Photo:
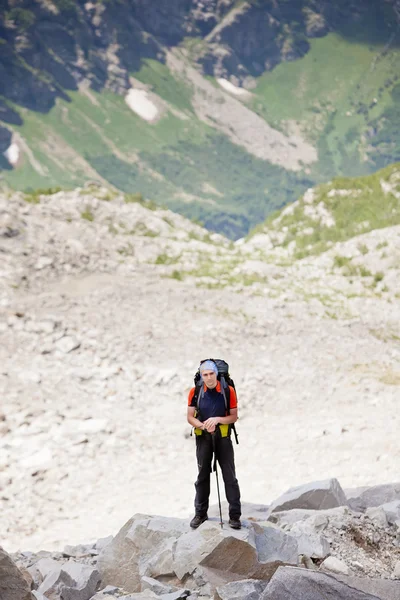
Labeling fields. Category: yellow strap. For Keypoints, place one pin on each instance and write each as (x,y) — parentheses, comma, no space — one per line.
(224,429)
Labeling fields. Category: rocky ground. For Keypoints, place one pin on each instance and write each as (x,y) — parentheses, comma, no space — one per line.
(106,309)
(311,542)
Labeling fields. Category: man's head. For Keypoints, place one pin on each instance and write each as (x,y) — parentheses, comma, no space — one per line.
(209,372)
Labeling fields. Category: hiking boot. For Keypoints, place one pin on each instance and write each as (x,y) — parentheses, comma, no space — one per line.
(197,521)
(235,523)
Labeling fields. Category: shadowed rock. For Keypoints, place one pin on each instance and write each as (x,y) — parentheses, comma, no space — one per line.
(290,583)
(12,583)
(71,581)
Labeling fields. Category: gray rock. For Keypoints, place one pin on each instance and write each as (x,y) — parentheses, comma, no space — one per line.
(247,589)
(175,595)
(13,586)
(110,592)
(253,553)
(273,545)
(377,515)
(384,589)
(40,569)
(142,547)
(103,542)
(80,550)
(360,499)
(335,565)
(396,570)
(291,583)
(317,495)
(193,546)
(392,511)
(149,583)
(310,543)
(71,581)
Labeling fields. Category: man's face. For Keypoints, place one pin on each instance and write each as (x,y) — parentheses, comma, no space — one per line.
(210,379)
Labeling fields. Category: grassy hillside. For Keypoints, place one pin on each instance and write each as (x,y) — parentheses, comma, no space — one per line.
(179,161)
(335,212)
(345,95)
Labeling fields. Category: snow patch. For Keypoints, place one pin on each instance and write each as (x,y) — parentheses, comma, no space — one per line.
(12,154)
(233,89)
(140,103)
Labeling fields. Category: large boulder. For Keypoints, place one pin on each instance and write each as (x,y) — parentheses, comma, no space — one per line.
(207,557)
(317,495)
(310,543)
(319,518)
(307,526)
(392,511)
(254,552)
(143,547)
(359,499)
(290,583)
(40,569)
(70,581)
(13,586)
(384,589)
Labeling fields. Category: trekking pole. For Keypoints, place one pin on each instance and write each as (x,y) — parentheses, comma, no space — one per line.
(216,475)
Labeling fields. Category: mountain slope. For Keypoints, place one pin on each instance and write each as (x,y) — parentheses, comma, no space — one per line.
(114,91)
(108,303)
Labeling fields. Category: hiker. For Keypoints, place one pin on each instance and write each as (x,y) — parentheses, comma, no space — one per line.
(213,422)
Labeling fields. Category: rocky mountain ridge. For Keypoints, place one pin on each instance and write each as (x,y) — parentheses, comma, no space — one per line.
(311,540)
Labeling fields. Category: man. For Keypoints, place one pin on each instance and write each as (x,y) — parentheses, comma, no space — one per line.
(207,418)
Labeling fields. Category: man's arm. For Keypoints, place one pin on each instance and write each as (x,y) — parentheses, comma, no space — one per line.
(192,419)
(211,423)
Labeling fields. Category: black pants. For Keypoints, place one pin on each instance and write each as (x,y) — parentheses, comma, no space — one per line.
(226,460)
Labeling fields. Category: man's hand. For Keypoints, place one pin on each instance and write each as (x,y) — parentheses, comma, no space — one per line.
(211,424)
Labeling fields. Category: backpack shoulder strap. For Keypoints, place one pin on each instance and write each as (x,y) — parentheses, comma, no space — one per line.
(226,392)
(198,395)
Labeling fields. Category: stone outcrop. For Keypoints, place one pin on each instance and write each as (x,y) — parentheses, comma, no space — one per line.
(70,581)
(366,497)
(164,548)
(300,584)
(334,553)
(318,496)
(13,585)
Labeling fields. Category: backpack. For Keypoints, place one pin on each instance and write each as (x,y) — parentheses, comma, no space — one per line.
(224,378)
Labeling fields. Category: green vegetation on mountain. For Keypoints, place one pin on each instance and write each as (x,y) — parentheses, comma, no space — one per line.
(181,163)
(348,207)
(344,96)
(331,78)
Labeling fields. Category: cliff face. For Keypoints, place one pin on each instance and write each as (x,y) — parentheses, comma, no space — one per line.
(49,47)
